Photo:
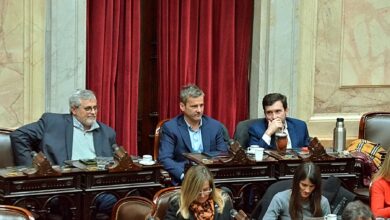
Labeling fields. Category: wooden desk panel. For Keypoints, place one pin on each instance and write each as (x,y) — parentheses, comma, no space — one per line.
(76,189)
(145,182)
(340,166)
(38,193)
(247,182)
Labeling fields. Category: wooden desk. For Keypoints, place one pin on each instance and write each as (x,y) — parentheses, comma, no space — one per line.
(36,193)
(145,182)
(75,189)
(341,166)
(247,182)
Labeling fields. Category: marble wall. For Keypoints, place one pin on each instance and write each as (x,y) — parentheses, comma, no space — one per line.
(21,61)
(340,60)
(328,56)
(65,52)
(42,57)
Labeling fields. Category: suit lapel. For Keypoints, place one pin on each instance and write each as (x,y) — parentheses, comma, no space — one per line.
(183,129)
(205,136)
(292,133)
(97,139)
(69,138)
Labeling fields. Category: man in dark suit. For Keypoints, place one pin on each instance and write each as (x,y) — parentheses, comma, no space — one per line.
(190,131)
(63,137)
(275,111)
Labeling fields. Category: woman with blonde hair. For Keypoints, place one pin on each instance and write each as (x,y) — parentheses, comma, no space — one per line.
(199,199)
(380,190)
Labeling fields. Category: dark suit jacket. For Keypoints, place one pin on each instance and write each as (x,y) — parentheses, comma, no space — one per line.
(297,131)
(53,135)
(175,140)
(174,207)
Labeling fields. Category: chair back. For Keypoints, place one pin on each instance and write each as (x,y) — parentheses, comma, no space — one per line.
(132,207)
(374,127)
(241,133)
(10,212)
(156,144)
(6,154)
(161,200)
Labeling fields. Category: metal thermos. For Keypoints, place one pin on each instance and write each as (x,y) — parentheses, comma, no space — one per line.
(339,136)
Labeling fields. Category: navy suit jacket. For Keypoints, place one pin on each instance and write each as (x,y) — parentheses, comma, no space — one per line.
(53,135)
(297,131)
(175,140)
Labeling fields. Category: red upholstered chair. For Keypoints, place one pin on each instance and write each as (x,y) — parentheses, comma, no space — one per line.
(132,207)
(156,144)
(161,200)
(10,212)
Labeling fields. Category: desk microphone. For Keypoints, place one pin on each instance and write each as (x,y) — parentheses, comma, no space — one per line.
(238,215)
(233,213)
(33,154)
(115,147)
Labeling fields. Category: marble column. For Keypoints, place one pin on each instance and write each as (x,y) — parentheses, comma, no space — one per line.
(65,52)
(274,53)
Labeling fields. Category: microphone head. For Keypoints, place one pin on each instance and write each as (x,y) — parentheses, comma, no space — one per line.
(33,153)
(233,213)
(115,147)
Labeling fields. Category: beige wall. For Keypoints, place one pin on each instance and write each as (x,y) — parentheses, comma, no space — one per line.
(341,61)
(21,61)
(351,53)
(332,56)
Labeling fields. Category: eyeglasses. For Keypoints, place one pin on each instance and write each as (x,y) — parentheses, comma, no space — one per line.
(90,108)
(205,192)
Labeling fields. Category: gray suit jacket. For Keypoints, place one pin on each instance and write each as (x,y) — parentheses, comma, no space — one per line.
(53,135)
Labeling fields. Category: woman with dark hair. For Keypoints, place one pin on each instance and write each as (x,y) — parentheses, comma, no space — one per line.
(303,200)
(199,199)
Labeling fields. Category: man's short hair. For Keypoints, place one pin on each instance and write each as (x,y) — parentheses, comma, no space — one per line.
(271,98)
(78,95)
(190,90)
(357,210)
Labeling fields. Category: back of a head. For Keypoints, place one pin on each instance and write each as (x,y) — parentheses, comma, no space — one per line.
(357,210)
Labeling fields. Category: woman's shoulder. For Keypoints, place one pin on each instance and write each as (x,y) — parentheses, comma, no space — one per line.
(283,193)
(324,199)
(381,182)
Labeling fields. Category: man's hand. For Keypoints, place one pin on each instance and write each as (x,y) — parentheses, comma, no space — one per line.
(274,126)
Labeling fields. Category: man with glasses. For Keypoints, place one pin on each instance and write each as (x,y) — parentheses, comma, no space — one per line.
(64,137)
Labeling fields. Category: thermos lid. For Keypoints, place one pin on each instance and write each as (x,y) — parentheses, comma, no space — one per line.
(340,119)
